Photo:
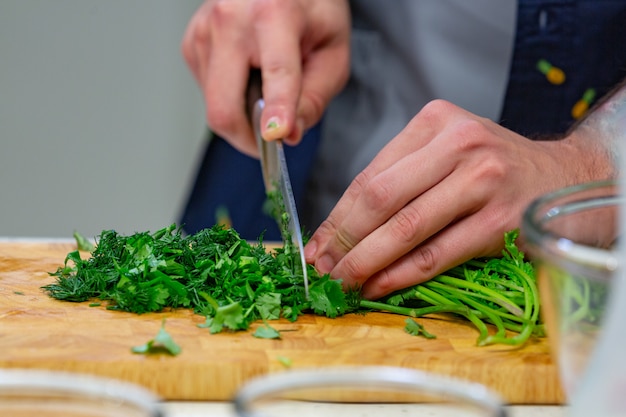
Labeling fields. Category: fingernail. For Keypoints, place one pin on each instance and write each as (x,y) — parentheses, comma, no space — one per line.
(309,250)
(325,264)
(273,123)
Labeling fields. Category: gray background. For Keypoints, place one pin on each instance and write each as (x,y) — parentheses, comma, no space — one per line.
(101,124)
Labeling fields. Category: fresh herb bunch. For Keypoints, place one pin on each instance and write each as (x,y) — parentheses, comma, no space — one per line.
(234,283)
(501,291)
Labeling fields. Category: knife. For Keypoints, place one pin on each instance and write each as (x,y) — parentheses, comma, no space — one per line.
(276,175)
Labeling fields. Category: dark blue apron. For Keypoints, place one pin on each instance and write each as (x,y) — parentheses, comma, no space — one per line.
(586,39)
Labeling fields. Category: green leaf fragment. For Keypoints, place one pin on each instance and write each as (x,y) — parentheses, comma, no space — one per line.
(269,306)
(162,342)
(229,316)
(83,243)
(327,297)
(266,332)
(416,329)
(285,361)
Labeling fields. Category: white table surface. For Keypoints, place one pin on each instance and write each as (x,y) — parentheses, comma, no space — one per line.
(225,409)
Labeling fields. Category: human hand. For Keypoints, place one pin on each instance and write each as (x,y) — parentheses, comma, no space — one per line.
(301,47)
(443,191)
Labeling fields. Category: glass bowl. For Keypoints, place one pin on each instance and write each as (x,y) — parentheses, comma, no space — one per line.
(571,236)
(364,391)
(42,393)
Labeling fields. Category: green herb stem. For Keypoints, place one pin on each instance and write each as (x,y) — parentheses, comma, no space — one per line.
(479,290)
(436,309)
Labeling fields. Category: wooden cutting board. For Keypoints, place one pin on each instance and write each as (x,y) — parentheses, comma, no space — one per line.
(39,332)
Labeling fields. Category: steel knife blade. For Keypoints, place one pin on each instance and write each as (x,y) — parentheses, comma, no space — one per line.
(276,179)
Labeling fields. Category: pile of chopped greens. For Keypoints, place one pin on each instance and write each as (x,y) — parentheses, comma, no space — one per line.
(234,283)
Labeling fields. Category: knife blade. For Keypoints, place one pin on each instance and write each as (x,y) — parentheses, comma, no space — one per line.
(276,177)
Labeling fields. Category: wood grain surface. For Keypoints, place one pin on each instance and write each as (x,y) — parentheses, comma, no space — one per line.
(39,332)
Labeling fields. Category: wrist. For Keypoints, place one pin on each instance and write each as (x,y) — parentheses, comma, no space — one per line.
(603,132)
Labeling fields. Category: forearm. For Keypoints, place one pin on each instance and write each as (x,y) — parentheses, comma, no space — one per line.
(603,129)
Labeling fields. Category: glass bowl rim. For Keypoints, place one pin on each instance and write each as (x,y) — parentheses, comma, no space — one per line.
(386,377)
(19,381)
(587,259)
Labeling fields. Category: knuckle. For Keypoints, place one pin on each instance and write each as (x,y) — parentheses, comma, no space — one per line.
(260,7)
(377,194)
(472,137)
(219,120)
(354,269)
(189,40)
(358,183)
(386,283)
(469,134)
(208,24)
(327,227)
(405,224)
(492,170)
(201,31)
(489,168)
(222,13)
(263,8)
(438,105)
(188,52)
(434,109)
(432,116)
(277,68)
(361,179)
(425,259)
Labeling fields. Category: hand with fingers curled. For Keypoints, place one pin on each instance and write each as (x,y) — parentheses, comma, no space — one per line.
(443,191)
(300,46)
